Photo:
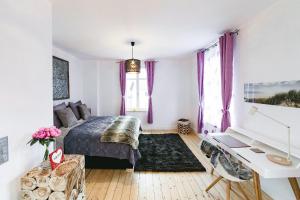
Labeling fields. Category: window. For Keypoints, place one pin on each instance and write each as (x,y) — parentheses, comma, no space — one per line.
(212,87)
(136,91)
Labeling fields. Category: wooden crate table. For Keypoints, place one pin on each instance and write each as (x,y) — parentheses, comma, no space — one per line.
(66,182)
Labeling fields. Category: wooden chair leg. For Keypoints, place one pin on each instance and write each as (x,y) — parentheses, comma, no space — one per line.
(228,190)
(295,186)
(213,183)
(242,191)
(257,188)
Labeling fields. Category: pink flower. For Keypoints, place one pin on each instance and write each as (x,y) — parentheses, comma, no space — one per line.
(46,133)
(54,132)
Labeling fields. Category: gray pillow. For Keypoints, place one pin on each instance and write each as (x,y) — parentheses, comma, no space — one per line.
(74,107)
(67,117)
(56,121)
(84,111)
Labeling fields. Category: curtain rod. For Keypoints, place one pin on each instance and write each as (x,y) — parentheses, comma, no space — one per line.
(144,61)
(235,32)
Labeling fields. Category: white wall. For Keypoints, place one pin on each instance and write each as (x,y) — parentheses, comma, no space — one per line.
(171,93)
(90,84)
(268,50)
(25,85)
(108,87)
(75,75)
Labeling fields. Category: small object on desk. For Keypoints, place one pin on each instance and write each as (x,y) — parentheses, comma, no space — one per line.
(279,160)
(256,150)
(230,141)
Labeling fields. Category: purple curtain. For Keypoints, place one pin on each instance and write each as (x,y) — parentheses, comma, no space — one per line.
(150,65)
(122,86)
(226,54)
(200,77)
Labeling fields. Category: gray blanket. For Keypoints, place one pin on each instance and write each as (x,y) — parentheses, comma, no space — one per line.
(84,139)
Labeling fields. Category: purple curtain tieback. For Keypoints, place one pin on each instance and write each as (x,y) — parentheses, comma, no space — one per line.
(225,111)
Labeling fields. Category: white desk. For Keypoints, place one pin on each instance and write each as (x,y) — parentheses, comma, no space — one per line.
(258,162)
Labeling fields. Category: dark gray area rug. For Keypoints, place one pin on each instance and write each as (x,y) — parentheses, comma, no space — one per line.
(166,153)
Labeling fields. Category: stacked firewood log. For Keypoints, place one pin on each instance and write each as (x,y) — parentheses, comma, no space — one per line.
(66,182)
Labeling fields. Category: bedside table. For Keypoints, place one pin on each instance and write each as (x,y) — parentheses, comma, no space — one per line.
(67,181)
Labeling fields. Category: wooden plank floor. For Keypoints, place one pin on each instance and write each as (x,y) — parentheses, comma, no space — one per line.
(124,185)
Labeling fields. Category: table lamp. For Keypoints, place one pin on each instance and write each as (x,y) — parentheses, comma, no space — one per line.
(276,158)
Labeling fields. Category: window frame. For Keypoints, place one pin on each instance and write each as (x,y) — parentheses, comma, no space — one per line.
(137,80)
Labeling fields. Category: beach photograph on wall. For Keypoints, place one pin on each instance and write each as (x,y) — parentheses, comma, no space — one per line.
(284,93)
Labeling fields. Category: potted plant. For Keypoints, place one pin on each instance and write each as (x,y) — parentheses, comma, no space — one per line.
(45,136)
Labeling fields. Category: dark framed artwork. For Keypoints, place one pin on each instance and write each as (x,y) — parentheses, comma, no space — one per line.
(284,93)
(61,82)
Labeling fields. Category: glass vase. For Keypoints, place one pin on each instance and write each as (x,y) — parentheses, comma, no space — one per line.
(46,162)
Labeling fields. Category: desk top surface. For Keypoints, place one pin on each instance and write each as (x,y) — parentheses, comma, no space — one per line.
(258,161)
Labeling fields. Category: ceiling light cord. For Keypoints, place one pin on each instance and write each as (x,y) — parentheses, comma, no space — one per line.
(132,45)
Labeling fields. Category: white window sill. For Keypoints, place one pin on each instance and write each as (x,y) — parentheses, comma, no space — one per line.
(136,110)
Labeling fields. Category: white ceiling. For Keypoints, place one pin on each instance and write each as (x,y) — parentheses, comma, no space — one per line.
(161,28)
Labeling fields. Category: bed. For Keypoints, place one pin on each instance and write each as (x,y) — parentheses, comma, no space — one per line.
(96,139)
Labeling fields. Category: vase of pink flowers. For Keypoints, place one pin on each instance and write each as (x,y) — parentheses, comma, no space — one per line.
(45,136)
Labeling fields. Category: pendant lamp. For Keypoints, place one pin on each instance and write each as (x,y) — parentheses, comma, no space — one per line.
(133,65)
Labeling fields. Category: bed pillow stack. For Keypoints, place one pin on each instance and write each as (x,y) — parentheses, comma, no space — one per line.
(68,116)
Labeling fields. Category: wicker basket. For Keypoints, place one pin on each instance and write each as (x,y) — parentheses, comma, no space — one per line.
(184,126)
